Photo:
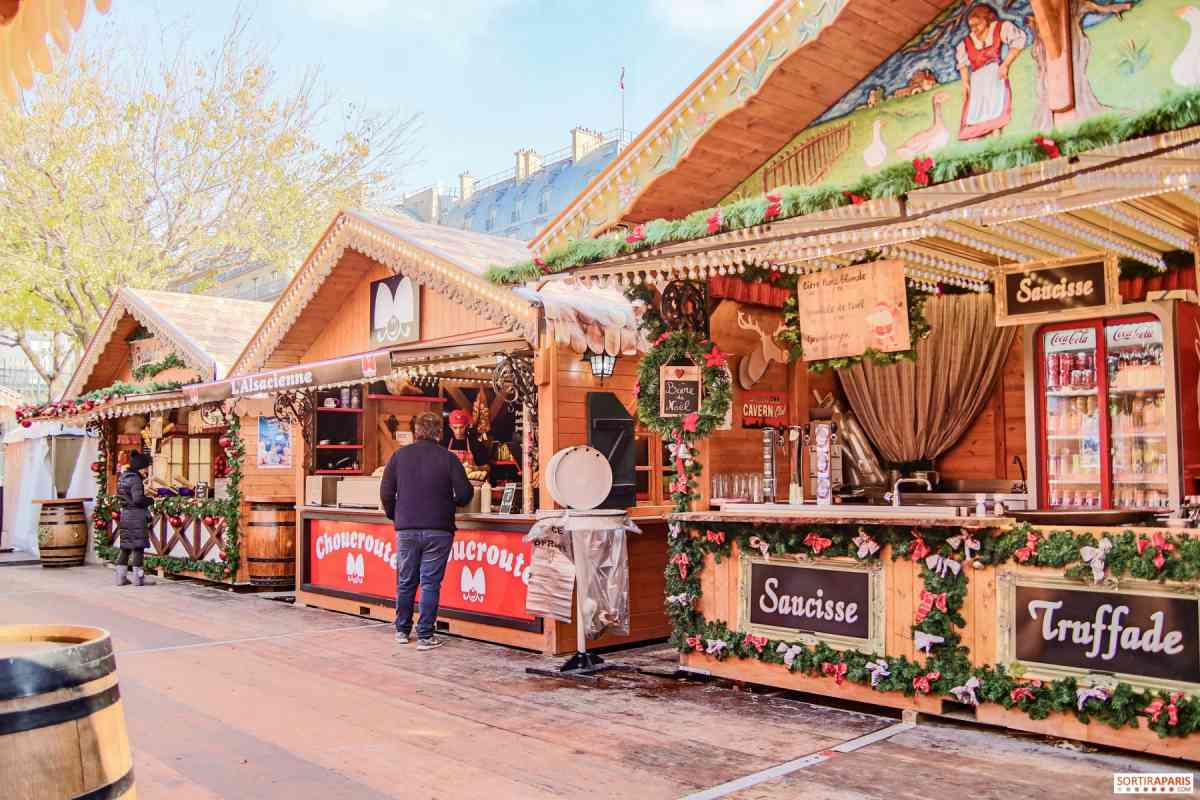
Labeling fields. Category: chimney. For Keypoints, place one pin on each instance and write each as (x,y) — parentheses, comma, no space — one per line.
(528,163)
(424,203)
(584,141)
(466,186)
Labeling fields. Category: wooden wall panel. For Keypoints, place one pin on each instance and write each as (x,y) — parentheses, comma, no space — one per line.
(319,334)
(987,448)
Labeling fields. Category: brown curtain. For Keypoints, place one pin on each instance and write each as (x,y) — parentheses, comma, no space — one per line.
(917,411)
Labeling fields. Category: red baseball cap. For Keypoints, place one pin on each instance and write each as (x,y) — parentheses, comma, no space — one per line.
(459,417)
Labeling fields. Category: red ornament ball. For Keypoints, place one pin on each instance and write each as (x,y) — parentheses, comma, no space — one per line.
(95,466)
(222,555)
(225,442)
(25,423)
(176,521)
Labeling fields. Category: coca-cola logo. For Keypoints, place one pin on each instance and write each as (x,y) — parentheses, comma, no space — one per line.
(1146,332)
(1067,338)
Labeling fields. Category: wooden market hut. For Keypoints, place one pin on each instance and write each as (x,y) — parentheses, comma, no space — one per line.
(347,390)
(128,390)
(833,135)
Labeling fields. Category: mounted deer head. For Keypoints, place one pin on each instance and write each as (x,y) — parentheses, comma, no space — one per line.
(754,366)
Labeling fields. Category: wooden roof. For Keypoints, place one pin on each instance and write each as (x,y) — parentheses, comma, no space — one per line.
(784,71)
(1134,199)
(446,260)
(207,333)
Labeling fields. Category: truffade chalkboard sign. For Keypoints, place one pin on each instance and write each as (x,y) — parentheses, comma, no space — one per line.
(679,390)
(1148,635)
(1062,289)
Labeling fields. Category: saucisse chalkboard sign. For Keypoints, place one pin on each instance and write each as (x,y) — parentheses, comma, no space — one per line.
(1153,636)
(1070,288)
(679,390)
(810,598)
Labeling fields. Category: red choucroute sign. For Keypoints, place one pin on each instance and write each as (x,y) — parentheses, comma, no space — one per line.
(488,571)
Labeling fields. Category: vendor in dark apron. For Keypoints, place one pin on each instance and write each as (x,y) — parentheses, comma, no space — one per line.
(463,443)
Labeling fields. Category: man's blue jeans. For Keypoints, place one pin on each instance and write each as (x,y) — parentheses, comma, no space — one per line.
(421,560)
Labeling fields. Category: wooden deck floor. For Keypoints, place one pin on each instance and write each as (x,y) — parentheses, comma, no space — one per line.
(236,696)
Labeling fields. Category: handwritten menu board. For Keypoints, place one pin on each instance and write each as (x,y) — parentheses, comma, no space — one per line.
(679,390)
(845,312)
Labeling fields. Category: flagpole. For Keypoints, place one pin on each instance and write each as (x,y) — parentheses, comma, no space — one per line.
(621,143)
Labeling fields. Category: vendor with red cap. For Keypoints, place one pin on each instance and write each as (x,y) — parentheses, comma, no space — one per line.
(465,444)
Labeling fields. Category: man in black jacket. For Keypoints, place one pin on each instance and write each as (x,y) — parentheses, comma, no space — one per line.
(422,484)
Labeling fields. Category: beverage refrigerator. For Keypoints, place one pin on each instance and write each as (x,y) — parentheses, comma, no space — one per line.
(1112,410)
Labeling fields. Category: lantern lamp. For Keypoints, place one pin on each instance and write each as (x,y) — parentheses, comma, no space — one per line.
(602,364)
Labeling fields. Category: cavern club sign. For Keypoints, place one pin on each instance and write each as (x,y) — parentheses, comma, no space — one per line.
(487,574)
(1150,634)
(1061,289)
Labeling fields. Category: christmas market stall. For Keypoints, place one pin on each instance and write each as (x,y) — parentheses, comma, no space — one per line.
(389,318)
(128,392)
(975,491)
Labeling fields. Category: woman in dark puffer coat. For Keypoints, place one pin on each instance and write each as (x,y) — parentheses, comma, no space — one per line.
(135,520)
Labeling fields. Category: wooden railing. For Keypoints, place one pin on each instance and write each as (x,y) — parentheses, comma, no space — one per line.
(808,162)
(199,541)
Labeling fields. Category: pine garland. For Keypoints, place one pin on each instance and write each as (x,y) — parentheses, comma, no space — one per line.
(683,432)
(1176,110)
(225,512)
(150,370)
(946,670)
(86,402)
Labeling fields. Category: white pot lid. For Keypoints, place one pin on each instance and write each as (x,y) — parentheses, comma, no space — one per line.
(579,477)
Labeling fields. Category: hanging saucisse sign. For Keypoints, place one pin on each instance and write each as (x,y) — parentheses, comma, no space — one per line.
(1149,635)
(1065,288)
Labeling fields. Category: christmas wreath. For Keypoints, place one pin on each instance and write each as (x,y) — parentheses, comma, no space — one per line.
(681,432)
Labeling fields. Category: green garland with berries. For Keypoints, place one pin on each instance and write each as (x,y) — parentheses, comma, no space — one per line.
(27,414)
(224,513)
(171,360)
(1176,110)
(681,433)
(946,670)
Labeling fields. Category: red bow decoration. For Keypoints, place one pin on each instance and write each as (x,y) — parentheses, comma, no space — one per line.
(638,234)
(1021,693)
(714,358)
(1155,709)
(682,561)
(715,536)
(854,198)
(691,421)
(922,166)
(774,206)
(817,543)
(662,337)
(696,643)
(714,221)
(1161,544)
(775,276)
(541,264)
(1049,146)
(930,601)
(1027,552)
(921,682)
(917,550)
(836,671)
(757,642)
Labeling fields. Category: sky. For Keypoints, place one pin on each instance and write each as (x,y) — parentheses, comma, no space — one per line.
(487,76)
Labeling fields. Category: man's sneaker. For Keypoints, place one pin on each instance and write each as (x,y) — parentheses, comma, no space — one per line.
(401,638)
(430,643)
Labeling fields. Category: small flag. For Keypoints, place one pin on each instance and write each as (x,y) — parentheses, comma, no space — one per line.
(621,80)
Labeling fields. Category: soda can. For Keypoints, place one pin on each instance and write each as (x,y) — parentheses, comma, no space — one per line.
(1051,370)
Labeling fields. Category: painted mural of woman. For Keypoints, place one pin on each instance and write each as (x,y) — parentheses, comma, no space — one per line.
(983,58)
(1086,103)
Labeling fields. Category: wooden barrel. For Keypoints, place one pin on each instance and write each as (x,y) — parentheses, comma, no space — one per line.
(62,725)
(62,533)
(271,543)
